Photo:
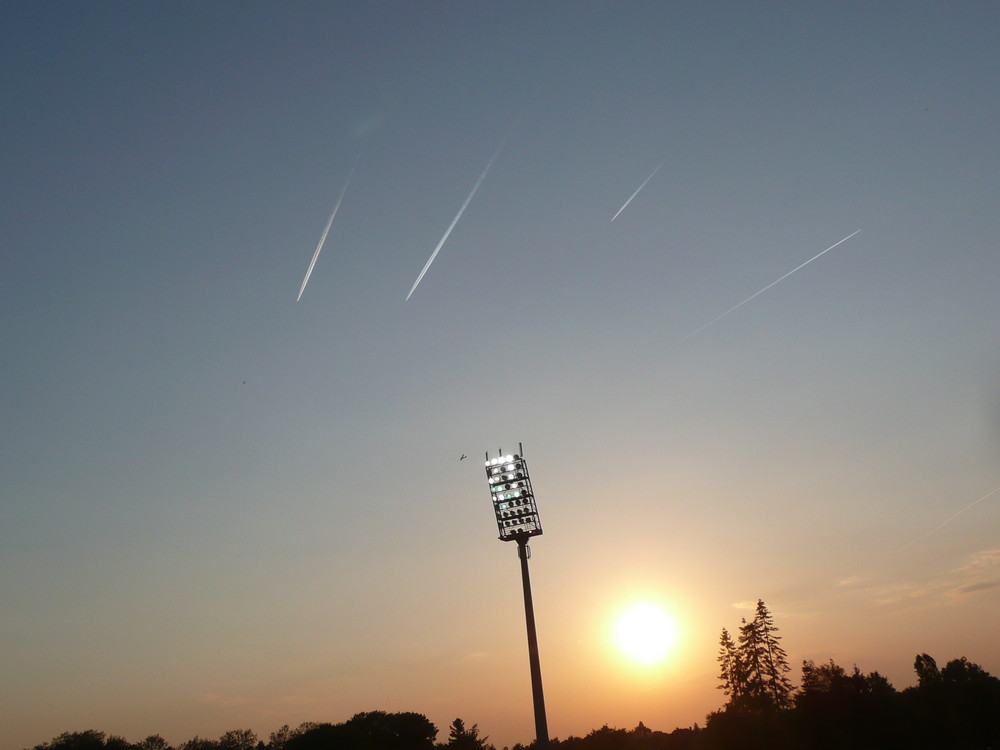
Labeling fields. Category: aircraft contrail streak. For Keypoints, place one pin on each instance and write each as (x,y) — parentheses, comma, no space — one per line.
(949,519)
(326,230)
(734,308)
(457,216)
(638,189)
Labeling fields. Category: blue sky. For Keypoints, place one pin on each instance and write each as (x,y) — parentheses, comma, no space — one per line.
(184,552)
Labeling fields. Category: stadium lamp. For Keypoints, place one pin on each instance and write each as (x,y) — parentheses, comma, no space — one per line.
(513,499)
(517,521)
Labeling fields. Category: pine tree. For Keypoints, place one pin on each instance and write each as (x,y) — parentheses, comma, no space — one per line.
(460,738)
(753,671)
(752,655)
(774,660)
(729,667)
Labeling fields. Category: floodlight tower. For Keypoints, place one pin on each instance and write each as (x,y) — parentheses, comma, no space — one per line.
(517,521)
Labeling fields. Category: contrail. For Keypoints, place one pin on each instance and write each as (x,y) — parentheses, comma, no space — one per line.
(329,223)
(734,308)
(644,182)
(950,518)
(457,216)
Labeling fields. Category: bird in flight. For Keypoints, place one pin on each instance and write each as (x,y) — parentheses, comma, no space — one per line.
(463,457)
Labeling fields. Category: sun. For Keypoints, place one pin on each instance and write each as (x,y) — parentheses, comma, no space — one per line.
(646,633)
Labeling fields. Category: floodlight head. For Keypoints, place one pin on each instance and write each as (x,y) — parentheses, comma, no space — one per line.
(513,499)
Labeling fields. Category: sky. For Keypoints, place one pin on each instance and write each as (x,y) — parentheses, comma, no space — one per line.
(223,508)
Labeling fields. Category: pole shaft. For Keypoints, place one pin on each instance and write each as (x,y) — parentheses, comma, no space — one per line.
(541,726)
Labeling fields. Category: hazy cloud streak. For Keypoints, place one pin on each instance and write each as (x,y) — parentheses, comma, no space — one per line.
(734,308)
(972,588)
(457,216)
(639,189)
(326,230)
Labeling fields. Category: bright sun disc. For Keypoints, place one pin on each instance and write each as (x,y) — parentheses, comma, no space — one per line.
(646,633)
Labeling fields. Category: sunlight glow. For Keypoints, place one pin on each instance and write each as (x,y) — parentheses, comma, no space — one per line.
(646,633)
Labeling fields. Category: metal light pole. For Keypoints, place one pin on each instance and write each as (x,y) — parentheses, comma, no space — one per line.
(517,521)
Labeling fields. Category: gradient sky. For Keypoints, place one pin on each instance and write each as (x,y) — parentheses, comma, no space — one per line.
(183,552)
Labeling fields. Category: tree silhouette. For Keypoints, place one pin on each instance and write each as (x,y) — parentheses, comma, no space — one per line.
(320,737)
(927,671)
(460,738)
(401,731)
(238,739)
(751,658)
(835,709)
(371,730)
(89,739)
(956,707)
(729,667)
(199,743)
(753,671)
(278,738)
(153,742)
(774,660)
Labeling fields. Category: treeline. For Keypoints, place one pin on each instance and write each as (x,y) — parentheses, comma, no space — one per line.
(956,707)
(371,730)
(953,708)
